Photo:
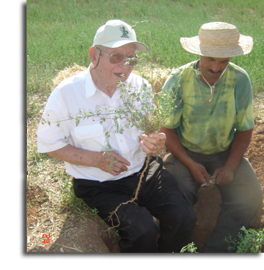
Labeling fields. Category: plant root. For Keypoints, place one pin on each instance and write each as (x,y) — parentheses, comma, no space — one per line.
(129,201)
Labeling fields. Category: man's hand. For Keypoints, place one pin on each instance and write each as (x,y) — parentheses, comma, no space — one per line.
(223,175)
(152,143)
(109,162)
(199,173)
(112,163)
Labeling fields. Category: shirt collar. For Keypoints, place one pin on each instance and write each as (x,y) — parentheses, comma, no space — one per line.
(90,87)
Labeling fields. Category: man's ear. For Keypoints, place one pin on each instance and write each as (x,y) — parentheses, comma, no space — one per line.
(93,56)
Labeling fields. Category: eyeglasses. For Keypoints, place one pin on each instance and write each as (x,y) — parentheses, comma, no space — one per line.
(116,58)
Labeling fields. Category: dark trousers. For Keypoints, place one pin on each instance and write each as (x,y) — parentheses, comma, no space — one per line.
(241,199)
(159,198)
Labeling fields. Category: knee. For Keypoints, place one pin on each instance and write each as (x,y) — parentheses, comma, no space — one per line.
(255,196)
(251,192)
(257,199)
(185,218)
(188,217)
(146,230)
(140,237)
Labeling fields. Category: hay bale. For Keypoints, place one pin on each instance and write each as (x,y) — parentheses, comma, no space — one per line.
(155,76)
(66,73)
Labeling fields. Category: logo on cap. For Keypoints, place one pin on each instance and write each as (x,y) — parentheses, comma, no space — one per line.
(124,32)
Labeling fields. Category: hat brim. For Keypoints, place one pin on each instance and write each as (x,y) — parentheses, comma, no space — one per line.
(193,45)
(116,44)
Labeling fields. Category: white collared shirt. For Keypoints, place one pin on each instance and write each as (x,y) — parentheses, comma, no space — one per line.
(78,93)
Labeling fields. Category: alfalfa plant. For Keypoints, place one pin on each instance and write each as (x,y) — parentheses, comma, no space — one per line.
(147,110)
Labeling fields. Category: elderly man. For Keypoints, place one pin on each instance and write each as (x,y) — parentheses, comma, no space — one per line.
(106,180)
(210,130)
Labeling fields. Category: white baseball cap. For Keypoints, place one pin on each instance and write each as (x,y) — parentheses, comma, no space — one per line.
(116,33)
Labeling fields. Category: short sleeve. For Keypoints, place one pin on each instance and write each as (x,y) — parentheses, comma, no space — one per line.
(244,104)
(173,82)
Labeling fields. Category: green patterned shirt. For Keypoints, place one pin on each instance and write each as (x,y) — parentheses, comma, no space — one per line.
(210,127)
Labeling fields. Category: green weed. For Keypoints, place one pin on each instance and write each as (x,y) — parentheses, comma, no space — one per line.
(249,241)
(190,248)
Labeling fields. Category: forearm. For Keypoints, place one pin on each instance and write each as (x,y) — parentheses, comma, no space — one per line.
(173,144)
(109,162)
(76,156)
(239,146)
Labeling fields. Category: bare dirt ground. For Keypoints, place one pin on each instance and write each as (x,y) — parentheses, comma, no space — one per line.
(78,230)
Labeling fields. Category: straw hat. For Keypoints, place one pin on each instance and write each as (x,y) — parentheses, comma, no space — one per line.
(116,33)
(218,39)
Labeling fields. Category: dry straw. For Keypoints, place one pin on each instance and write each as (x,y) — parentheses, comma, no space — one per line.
(155,76)
(66,73)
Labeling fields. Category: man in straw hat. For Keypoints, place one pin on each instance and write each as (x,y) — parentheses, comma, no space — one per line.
(210,130)
(107,180)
